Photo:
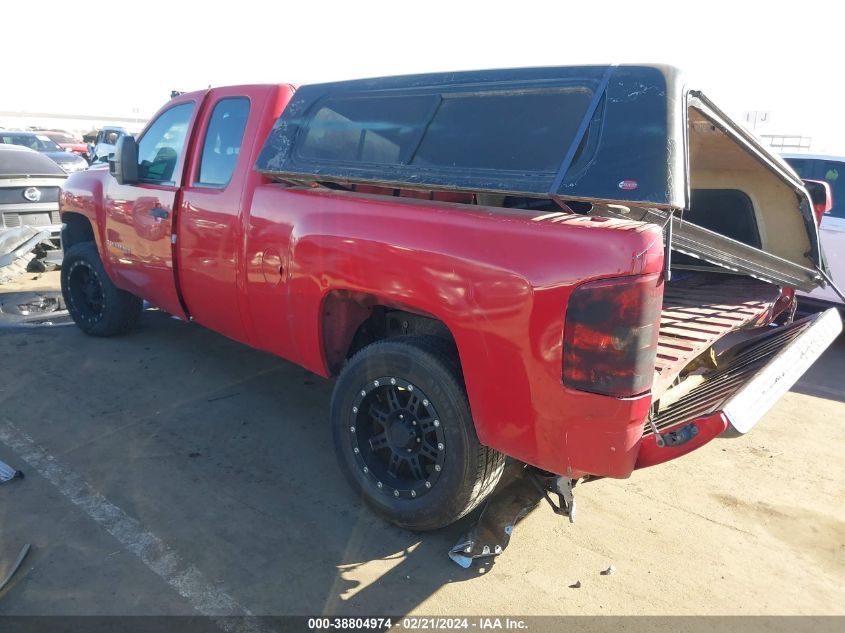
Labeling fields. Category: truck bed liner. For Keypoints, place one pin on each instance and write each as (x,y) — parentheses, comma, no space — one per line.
(698,310)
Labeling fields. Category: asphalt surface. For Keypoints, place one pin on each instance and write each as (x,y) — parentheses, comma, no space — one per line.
(172,471)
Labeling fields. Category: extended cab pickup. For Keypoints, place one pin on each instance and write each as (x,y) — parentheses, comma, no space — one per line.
(588,269)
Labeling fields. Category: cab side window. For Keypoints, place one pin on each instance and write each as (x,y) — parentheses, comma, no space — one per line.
(161,147)
(222,144)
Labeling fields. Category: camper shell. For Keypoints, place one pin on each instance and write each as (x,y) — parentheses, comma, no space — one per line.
(631,141)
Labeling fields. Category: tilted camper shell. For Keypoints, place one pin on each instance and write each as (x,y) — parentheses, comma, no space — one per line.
(622,141)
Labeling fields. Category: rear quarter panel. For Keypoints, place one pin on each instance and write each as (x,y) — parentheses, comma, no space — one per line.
(500,281)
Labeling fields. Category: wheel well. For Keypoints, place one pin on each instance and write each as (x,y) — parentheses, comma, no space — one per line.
(351,321)
(76,229)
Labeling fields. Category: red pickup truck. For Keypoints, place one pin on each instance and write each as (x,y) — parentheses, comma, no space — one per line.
(587,269)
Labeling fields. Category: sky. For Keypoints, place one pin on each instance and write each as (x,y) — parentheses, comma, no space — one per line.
(123,58)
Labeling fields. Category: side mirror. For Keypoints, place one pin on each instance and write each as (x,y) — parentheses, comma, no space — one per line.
(821,196)
(123,164)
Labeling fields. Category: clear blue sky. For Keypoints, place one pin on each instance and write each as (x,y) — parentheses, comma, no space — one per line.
(114,57)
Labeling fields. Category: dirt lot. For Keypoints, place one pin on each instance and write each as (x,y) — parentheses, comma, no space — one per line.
(172,470)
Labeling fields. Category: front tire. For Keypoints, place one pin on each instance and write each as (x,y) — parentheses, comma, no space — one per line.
(96,305)
(405,436)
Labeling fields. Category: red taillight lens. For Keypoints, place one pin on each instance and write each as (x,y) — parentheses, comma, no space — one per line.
(610,337)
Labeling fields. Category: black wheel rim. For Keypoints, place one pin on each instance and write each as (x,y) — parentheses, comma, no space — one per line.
(86,291)
(397,438)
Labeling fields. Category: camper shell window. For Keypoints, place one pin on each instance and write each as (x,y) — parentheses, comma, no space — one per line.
(516,131)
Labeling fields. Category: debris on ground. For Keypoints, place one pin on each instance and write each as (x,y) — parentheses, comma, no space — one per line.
(18,561)
(520,490)
(575,585)
(24,248)
(7,473)
(514,497)
(608,571)
(23,309)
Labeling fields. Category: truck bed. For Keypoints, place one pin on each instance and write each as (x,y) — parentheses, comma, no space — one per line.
(698,310)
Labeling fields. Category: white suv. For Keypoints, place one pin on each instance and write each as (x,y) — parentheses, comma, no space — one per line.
(832,230)
(106,140)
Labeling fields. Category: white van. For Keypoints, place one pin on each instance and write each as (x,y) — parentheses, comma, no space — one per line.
(831,169)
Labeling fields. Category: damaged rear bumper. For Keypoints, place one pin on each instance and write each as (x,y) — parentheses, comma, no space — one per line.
(736,396)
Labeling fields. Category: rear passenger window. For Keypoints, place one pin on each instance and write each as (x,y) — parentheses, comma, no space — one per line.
(800,166)
(222,144)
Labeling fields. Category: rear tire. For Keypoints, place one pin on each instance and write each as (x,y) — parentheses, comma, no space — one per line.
(405,437)
(96,305)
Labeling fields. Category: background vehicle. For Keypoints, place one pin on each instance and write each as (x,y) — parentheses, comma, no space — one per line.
(106,140)
(69,143)
(29,189)
(483,259)
(37,141)
(830,169)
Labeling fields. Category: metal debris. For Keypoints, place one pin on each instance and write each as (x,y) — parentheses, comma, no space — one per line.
(7,473)
(514,497)
(608,571)
(34,308)
(19,241)
(520,490)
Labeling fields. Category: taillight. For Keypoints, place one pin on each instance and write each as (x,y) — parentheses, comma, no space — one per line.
(610,337)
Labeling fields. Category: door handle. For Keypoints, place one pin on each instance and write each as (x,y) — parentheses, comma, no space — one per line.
(158,212)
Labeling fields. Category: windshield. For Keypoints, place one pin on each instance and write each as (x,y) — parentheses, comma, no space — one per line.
(37,142)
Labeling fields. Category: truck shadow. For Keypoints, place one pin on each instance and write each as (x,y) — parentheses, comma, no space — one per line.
(226,455)
(373,579)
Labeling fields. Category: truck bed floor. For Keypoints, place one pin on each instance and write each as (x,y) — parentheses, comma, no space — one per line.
(698,310)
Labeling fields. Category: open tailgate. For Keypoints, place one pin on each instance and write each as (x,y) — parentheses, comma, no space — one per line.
(735,397)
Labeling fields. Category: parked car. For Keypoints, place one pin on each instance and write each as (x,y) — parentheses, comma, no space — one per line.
(37,141)
(484,261)
(29,189)
(69,143)
(106,140)
(830,169)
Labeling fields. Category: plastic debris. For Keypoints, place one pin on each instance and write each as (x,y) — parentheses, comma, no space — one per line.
(575,585)
(608,571)
(7,473)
